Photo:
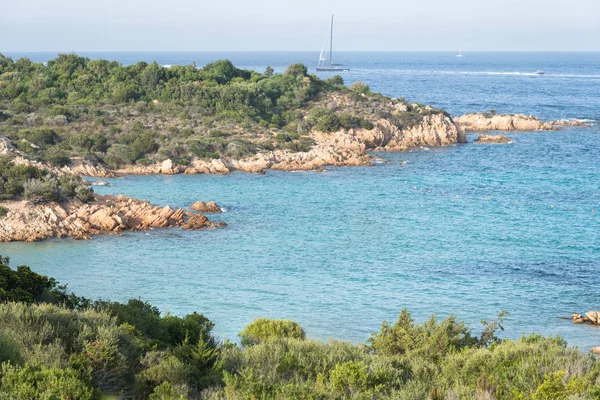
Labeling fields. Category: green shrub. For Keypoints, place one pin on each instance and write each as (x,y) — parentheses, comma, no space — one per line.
(431,338)
(13,178)
(296,70)
(57,157)
(39,136)
(119,155)
(42,190)
(360,87)
(10,352)
(262,329)
(365,124)
(3,211)
(304,144)
(34,381)
(328,122)
(166,391)
(167,330)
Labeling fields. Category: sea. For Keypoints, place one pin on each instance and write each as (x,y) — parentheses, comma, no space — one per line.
(466,230)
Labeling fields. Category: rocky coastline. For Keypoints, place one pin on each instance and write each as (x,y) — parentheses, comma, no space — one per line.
(483,122)
(107,214)
(340,148)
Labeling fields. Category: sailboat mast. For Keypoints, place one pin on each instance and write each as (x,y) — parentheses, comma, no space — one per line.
(331,44)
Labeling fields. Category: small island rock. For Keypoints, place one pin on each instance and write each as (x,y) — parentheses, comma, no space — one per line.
(493,139)
(591,317)
(209,207)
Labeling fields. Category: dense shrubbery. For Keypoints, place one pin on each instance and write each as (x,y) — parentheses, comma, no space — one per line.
(56,345)
(39,186)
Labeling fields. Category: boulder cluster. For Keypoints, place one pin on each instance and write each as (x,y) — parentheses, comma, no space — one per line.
(591,317)
(106,214)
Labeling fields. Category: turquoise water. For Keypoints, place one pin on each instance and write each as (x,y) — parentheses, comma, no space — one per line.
(469,229)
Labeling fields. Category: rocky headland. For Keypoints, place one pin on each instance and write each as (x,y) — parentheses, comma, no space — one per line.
(345,147)
(483,122)
(107,214)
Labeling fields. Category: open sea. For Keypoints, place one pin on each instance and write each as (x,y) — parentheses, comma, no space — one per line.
(467,230)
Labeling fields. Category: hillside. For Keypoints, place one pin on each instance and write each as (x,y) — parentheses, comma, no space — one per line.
(75,114)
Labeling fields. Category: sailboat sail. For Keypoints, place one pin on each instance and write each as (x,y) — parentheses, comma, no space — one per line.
(327,55)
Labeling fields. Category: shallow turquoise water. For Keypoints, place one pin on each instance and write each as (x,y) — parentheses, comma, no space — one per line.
(342,250)
(469,229)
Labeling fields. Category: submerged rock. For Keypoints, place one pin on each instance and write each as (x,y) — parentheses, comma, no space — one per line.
(201,222)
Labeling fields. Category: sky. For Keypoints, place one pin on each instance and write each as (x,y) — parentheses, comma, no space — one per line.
(260,25)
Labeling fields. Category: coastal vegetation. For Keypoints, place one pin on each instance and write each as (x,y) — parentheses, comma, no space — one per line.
(56,345)
(114,115)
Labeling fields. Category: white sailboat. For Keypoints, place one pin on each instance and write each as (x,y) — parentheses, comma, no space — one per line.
(327,55)
(460,54)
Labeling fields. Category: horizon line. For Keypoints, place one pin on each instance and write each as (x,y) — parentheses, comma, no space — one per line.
(296,51)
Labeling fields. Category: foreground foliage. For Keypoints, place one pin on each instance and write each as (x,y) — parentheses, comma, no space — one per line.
(54,345)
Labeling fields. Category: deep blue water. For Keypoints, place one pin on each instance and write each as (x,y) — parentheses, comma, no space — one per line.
(469,229)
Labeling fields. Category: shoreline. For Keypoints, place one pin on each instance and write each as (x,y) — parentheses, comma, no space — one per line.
(345,148)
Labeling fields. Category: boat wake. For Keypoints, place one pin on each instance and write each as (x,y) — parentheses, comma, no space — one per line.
(498,73)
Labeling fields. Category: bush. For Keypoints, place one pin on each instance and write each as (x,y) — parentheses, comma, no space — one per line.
(56,157)
(42,137)
(10,352)
(168,330)
(262,329)
(42,190)
(296,70)
(85,194)
(431,338)
(119,155)
(360,87)
(34,381)
(303,144)
(3,211)
(13,178)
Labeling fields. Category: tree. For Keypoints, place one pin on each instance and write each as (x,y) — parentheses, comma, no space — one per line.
(268,72)
(296,70)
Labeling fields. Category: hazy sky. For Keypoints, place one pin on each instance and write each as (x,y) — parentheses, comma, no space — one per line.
(78,25)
